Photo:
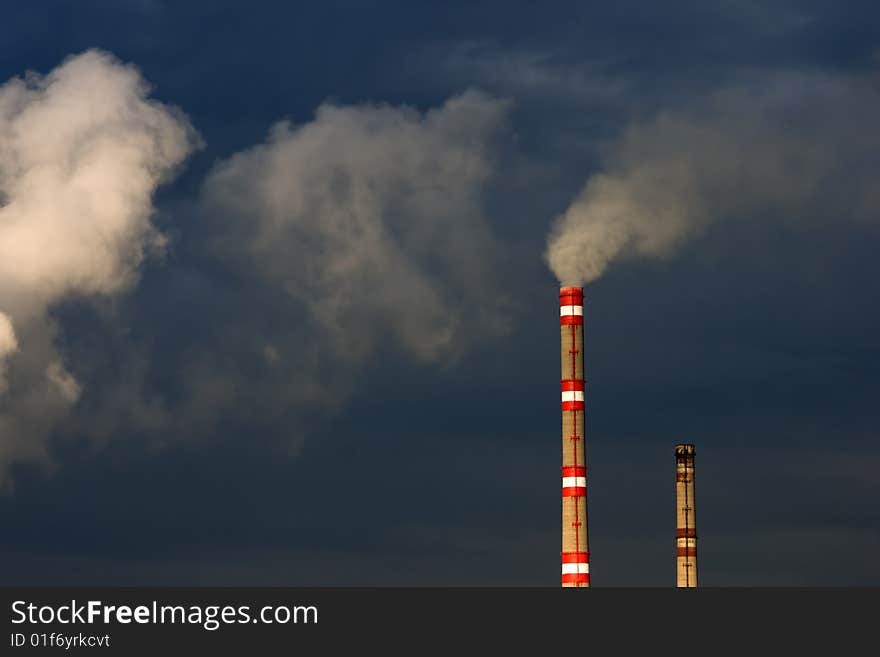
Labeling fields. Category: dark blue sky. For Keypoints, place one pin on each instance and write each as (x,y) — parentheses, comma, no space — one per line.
(756,341)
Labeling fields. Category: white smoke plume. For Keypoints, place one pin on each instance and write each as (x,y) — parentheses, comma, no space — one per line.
(371,218)
(82,150)
(794,147)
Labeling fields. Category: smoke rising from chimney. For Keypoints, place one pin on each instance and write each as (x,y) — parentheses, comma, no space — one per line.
(786,148)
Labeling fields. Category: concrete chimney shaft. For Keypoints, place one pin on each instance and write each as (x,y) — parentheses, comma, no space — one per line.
(575,548)
(686,518)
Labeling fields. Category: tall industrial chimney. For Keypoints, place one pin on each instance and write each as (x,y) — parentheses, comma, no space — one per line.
(575,549)
(685,513)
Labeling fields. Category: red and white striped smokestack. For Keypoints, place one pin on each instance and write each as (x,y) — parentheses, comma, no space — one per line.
(686,518)
(575,549)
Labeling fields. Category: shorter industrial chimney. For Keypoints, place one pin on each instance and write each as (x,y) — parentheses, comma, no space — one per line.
(685,513)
